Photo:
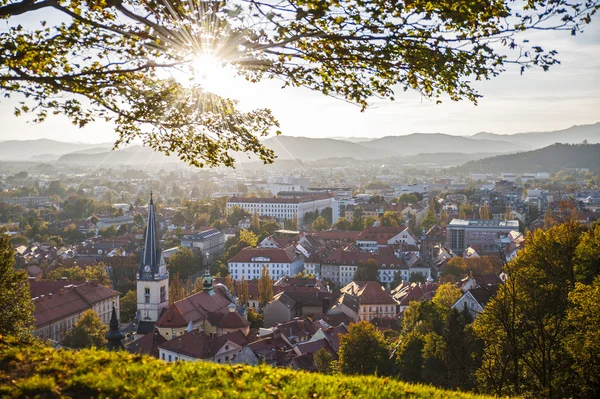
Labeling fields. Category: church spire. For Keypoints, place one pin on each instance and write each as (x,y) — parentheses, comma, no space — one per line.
(114,336)
(151,256)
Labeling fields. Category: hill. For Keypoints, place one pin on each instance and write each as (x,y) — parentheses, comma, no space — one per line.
(417,143)
(42,149)
(548,159)
(27,371)
(574,134)
(311,149)
(135,155)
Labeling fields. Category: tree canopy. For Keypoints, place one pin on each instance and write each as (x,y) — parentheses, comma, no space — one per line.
(120,60)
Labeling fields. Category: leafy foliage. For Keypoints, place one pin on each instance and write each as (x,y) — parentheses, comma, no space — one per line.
(363,350)
(88,332)
(117,61)
(24,373)
(15,301)
(128,303)
(367,271)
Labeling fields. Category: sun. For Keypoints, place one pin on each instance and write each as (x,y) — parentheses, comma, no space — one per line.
(212,72)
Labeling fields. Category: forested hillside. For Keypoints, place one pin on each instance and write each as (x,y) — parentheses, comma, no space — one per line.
(548,159)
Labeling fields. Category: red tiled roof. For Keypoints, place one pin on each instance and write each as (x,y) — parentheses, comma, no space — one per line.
(194,308)
(65,301)
(198,345)
(370,293)
(342,235)
(147,344)
(381,234)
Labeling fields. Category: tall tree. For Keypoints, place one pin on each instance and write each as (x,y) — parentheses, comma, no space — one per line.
(430,218)
(242,292)
(342,224)
(230,284)
(484,212)
(255,223)
(389,218)
(446,295)
(184,263)
(323,361)
(15,300)
(367,271)
(320,224)
(88,332)
(265,287)
(364,350)
(128,305)
(525,326)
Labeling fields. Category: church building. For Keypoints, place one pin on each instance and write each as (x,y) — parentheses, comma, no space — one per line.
(152,277)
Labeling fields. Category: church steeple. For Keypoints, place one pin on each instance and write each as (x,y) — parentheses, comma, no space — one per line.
(114,336)
(151,256)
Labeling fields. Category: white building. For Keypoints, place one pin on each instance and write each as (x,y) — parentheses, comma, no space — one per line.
(287,208)
(280,262)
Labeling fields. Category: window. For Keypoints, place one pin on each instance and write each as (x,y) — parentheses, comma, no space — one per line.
(170,359)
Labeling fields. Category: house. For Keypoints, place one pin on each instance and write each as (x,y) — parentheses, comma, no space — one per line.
(272,349)
(475,299)
(332,335)
(375,237)
(59,304)
(290,304)
(147,344)
(280,262)
(294,331)
(405,293)
(374,300)
(435,236)
(207,310)
(346,304)
(341,265)
(196,345)
(469,253)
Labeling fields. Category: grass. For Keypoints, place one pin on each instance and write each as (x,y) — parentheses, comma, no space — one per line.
(31,371)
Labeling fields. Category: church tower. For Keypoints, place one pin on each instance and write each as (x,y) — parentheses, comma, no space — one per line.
(152,275)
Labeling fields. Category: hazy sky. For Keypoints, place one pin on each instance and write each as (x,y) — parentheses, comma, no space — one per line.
(568,94)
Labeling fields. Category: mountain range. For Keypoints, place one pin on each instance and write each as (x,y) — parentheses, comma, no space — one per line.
(312,149)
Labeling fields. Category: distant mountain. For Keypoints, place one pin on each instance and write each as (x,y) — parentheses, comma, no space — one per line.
(134,155)
(548,159)
(42,149)
(418,143)
(309,149)
(574,135)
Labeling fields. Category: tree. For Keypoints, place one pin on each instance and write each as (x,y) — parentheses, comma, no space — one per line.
(389,218)
(416,278)
(525,327)
(178,219)
(242,292)
(484,212)
(88,332)
(446,295)
(363,350)
(15,300)
(248,238)
(583,344)
(230,284)
(265,287)
(323,361)
(255,224)
(587,255)
(256,319)
(184,263)
(342,224)
(178,288)
(507,213)
(462,213)
(443,218)
(367,271)
(108,232)
(320,224)
(368,222)
(436,49)
(430,219)
(128,306)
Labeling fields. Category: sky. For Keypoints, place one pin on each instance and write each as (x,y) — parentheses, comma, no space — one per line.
(568,94)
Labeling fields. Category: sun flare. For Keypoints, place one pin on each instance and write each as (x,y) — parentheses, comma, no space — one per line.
(212,72)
